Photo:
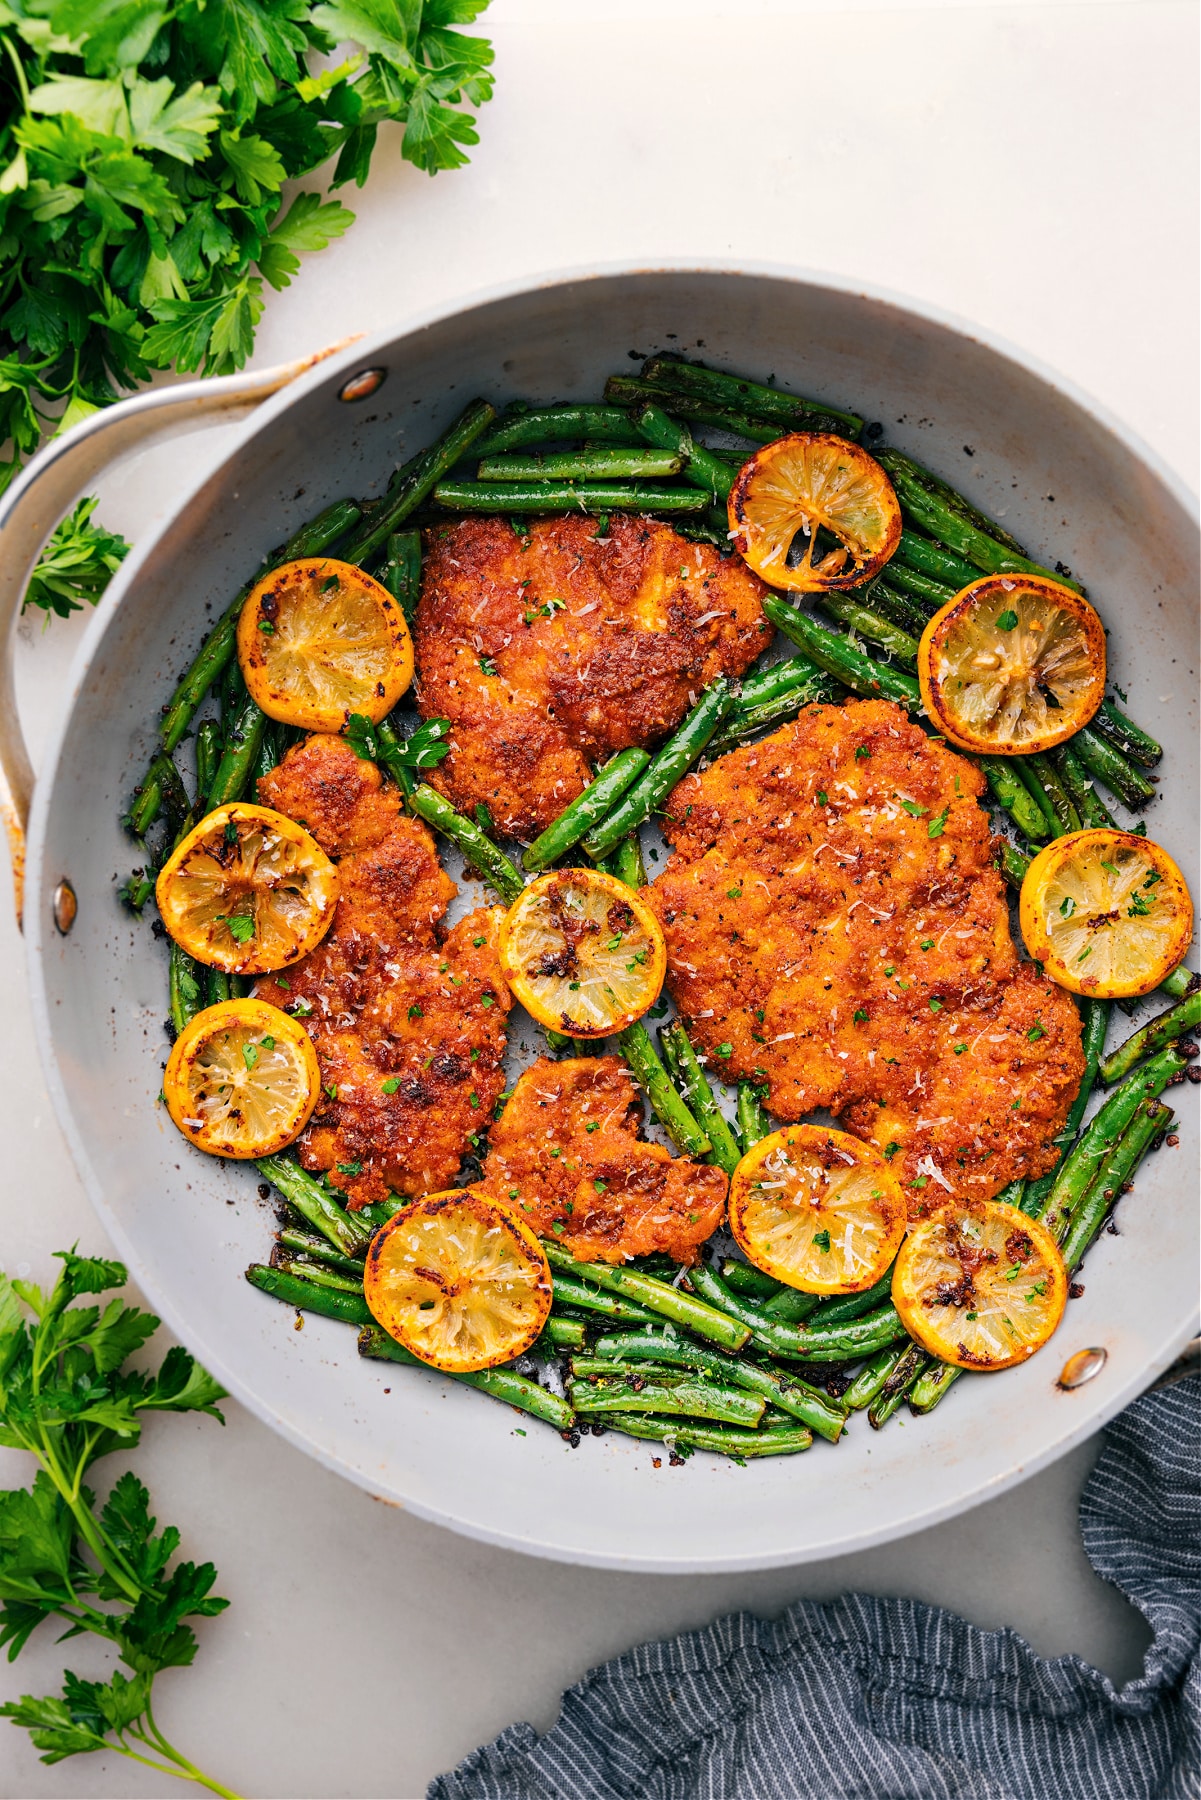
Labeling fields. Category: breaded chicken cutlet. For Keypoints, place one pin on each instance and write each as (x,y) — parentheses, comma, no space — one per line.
(408,1020)
(836,930)
(549,651)
(566,1153)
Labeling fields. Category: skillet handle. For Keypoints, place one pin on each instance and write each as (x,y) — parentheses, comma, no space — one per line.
(45,491)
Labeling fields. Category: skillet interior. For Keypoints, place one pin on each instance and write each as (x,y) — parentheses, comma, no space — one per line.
(1062,479)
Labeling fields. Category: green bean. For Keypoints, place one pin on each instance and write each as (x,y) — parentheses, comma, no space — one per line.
(895,605)
(958,533)
(791,1306)
(873,626)
(795,1397)
(270,753)
(694,1399)
(701,1101)
(183,988)
(307,1196)
(1095,1022)
(586,497)
(853,1306)
(1122,732)
(390,752)
(949,501)
(667,768)
(875,1372)
(700,467)
(556,424)
(401,571)
(562,1334)
(160,787)
(627,863)
(500,1384)
(1013,1193)
(746,722)
(745,1278)
(925,595)
(418,478)
(942,566)
(308,1245)
(753,1122)
(1015,864)
(309,1296)
(1180,982)
(842,659)
(1107,764)
(1038,794)
(849,1341)
(723,1440)
(320,1272)
(912,1363)
(1088,803)
(755,397)
(1011,793)
(632,391)
(595,1300)
(244,727)
(217,987)
(1082,1162)
(658,1296)
(480,851)
(208,754)
(652,1077)
(1151,1037)
(587,810)
(605,463)
(785,677)
(1151,1118)
(213,657)
(1063,810)
(931,1385)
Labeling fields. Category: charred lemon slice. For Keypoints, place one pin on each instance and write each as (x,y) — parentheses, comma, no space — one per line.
(459,1281)
(979,1284)
(242,1079)
(247,891)
(826,492)
(1106,913)
(817,1209)
(582,952)
(319,640)
(1012,665)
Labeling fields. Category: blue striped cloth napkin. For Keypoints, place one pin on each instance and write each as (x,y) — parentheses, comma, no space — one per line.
(867,1699)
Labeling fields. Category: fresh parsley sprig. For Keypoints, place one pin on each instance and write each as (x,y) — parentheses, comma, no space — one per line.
(143,155)
(68,1399)
(424,749)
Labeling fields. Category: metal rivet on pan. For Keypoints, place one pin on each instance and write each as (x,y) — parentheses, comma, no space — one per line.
(362,385)
(1082,1367)
(64,906)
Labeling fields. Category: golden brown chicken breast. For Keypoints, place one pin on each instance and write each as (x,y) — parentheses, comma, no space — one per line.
(408,1020)
(836,930)
(566,1153)
(549,651)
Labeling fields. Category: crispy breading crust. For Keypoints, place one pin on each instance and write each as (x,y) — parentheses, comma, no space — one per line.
(836,929)
(549,652)
(408,1024)
(566,1152)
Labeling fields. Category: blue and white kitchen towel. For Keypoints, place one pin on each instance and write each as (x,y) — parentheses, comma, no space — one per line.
(867,1699)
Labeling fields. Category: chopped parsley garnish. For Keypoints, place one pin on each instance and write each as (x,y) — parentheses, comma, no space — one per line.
(1007,620)
(913,809)
(390,1086)
(822,1240)
(1139,906)
(927,944)
(487,666)
(859,1017)
(861,751)
(890,1150)
(1067,907)
(936,1006)
(823,799)
(938,823)
(1034,1033)
(350,1168)
(725,1049)
(250,1055)
(415,1012)
(734,893)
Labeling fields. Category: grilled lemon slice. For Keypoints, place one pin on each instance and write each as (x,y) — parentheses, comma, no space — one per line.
(1011,665)
(817,1209)
(242,1079)
(582,952)
(319,640)
(806,483)
(459,1281)
(979,1284)
(247,891)
(1106,913)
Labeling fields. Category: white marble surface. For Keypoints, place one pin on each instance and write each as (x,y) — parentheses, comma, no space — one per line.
(1031,166)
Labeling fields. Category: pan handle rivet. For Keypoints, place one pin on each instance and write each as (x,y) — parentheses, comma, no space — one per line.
(1082,1367)
(64,906)
(362,385)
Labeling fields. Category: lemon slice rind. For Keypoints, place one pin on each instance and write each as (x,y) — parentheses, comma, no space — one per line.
(242,1079)
(1107,913)
(803,482)
(582,952)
